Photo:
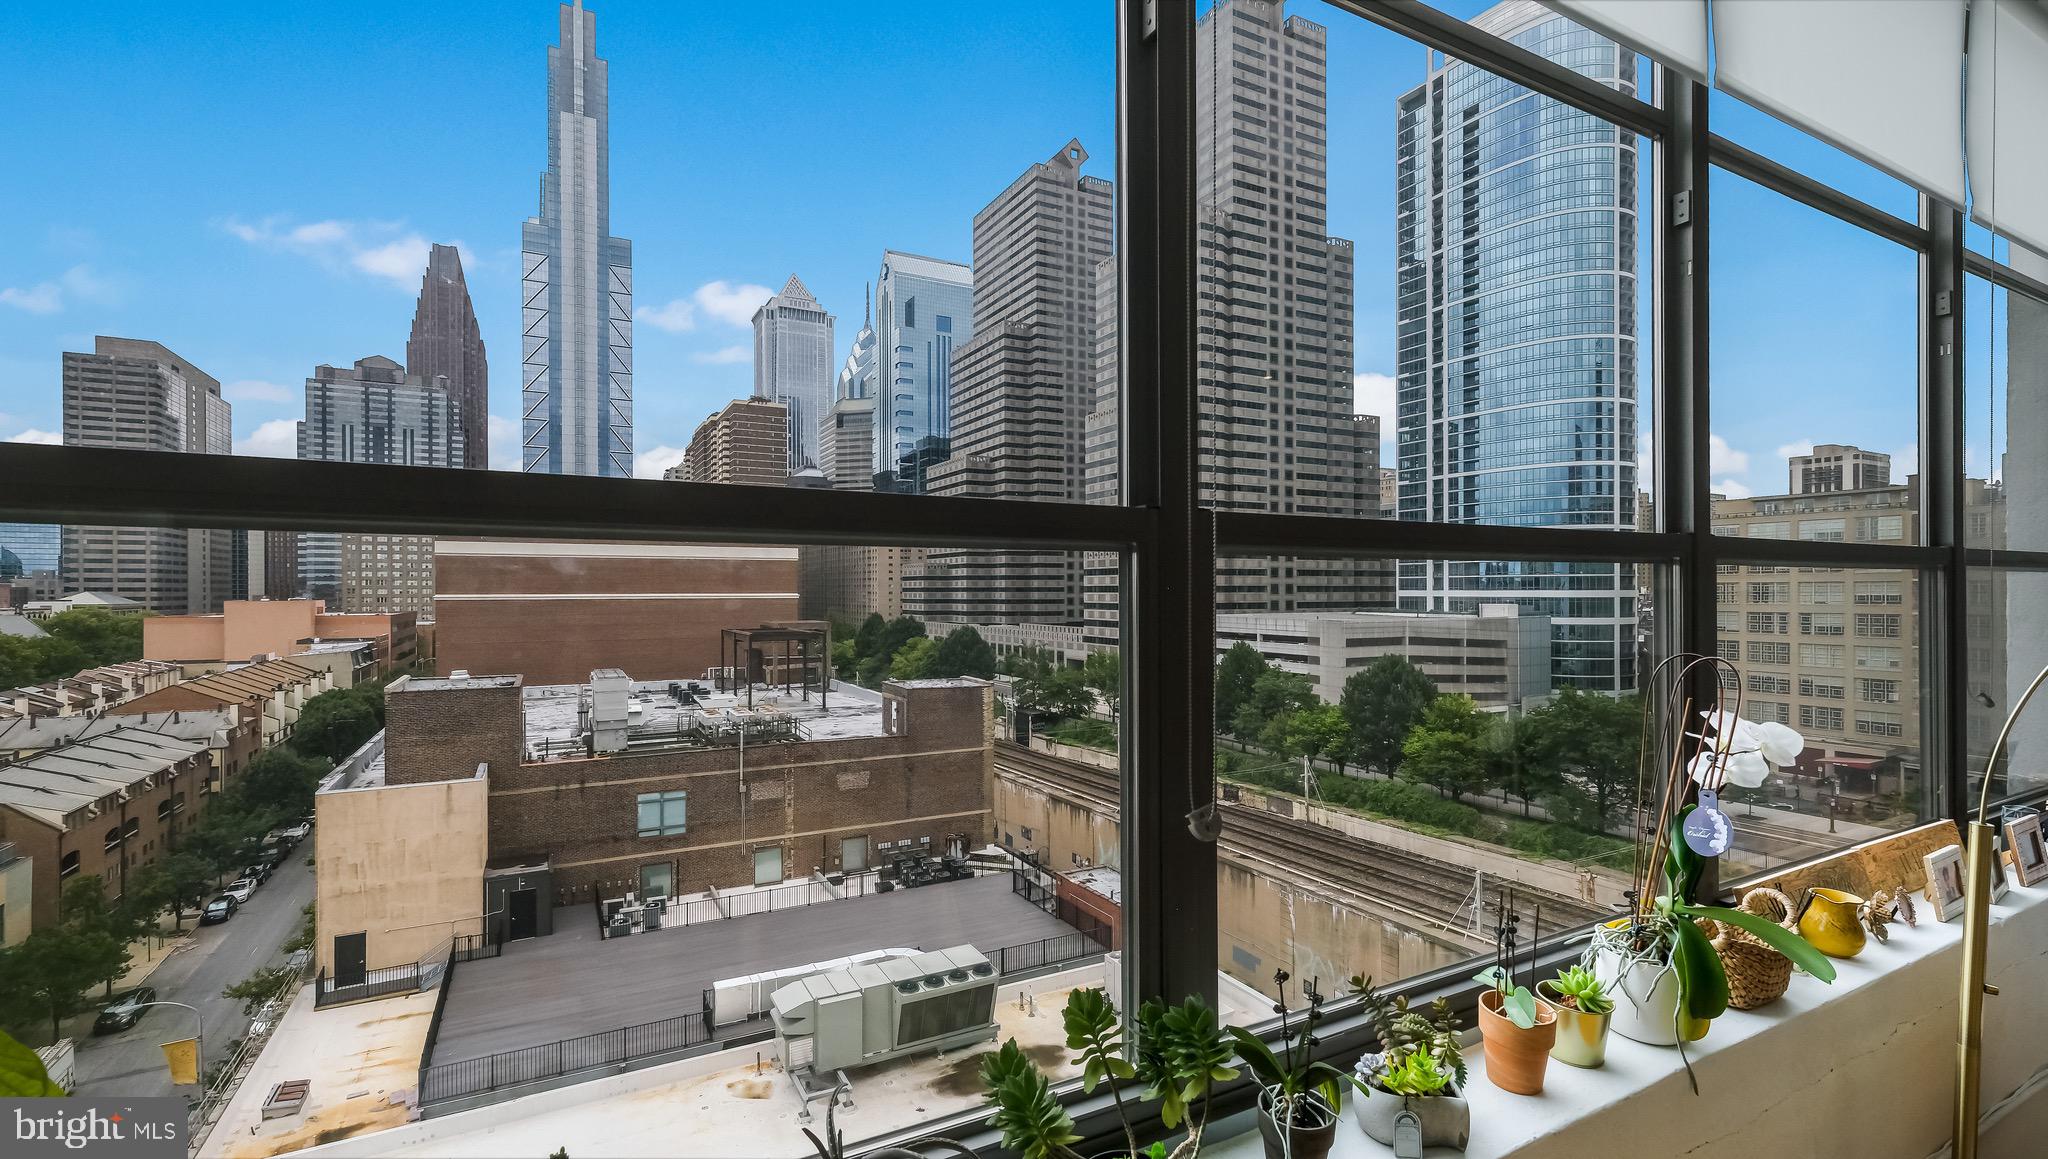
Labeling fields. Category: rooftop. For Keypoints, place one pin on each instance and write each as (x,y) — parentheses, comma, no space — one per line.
(42,732)
(52,784)
(668,709)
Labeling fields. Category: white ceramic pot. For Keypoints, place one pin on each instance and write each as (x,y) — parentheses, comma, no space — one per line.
(1645,1000)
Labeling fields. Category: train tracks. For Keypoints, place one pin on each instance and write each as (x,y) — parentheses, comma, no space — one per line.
(1427,893)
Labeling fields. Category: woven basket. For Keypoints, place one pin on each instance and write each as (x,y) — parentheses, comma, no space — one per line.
(1757,974)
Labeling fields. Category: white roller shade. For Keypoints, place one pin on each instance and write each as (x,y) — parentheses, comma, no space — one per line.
(2009,120)
(1673,31)
(1882,82)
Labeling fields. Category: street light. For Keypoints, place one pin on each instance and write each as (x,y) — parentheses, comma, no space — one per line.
(198,1036)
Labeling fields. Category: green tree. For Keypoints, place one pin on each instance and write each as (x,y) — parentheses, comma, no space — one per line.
(1104,672)
(1318,732)
(278,785)
(1046,688)
(845,659)
(258,988)
(914,660)
(334,724)
(105,637)
(964,653)
(1447,748)
(1239,669)
(1382,702)
(1274,694)
(1506,746)
(176,882)
(1588,745)
(868,640)
(874,666)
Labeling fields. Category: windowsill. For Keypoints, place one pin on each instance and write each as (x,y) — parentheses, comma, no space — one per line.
(1784,1079)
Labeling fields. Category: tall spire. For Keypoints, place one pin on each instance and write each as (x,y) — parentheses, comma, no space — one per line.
(446,343)
(867,304)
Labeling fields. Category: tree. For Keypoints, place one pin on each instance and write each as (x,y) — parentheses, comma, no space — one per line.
(50,973)
(1274,694)
(259,988)
(1104,672)
(1588,744)
(964,653)
(72,641)
(868,640)
(336,723)
(1447,747)
(845,659)
(1382,702)
(914,660)
(278,784)
(176,882)
(1045,687)
(1239,669)
(1317,732)
(1506,747)
(891,639)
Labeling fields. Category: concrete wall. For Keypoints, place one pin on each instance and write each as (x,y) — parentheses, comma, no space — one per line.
(402,863)
(16,883)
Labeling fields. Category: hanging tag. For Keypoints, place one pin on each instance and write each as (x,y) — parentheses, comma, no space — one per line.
(1708,831)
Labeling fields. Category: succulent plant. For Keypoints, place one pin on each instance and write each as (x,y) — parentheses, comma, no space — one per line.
(1578,985)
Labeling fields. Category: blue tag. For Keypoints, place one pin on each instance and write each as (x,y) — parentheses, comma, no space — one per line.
(1708,831)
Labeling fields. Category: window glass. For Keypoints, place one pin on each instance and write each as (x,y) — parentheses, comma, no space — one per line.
(1796,149)
(1815,374)
(2004,653)
(768,866)
(2005,360)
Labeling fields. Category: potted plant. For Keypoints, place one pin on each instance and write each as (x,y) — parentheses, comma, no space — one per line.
(1658,965)
(1182,1053)
(1300,1096)
(1583,1013)
(1419,1065)
(1518,1030)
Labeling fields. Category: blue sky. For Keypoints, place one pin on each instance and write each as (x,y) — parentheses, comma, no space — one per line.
(255,185)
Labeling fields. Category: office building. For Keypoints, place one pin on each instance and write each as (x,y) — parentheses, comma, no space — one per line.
(793,365)
(375,412)
(1102,463)
(1023,388)
(857,374)
(924,311)
(554,611)
(576,285)
(1499,655)
(27,548)
(139,395)
(747,441)
(1516,345)
(447,345)
(1833,467)
(246,629)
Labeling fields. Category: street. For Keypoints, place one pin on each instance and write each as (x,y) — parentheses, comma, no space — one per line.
(129,1063)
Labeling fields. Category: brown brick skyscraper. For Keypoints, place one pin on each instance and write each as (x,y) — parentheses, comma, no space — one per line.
(446,343)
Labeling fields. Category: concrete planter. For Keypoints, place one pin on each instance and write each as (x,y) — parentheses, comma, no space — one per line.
(1445,1119)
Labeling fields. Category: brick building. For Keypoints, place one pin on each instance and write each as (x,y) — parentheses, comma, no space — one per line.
(554,612)
(245,629)
(101,805)
(271,692)
(745,442)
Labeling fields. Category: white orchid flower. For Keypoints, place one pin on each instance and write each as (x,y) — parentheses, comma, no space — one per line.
(1745,752)
(1780,744)
(1747,769)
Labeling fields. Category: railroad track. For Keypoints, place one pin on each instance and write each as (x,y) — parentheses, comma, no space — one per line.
(1426,890)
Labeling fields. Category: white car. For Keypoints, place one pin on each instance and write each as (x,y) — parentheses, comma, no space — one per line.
(240,889)
(295,833)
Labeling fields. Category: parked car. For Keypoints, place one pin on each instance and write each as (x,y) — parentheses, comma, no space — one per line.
(275,852)
(295,833)
(240,889)
(258,873)
(124,1011)
(219,909)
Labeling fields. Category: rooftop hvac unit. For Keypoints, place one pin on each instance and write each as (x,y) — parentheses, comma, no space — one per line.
(872,1012)
(606,709)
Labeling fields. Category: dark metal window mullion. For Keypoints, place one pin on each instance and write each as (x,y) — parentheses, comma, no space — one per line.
(1944,641)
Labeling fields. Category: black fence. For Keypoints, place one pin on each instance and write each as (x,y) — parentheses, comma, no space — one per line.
(329,991)
(1050,953)
(471,947)
(610,1050)
(1032,882)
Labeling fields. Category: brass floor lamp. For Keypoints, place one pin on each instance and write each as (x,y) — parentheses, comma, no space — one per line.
(1982,847)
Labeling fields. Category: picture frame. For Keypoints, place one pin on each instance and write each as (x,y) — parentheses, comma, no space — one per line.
(1945,882)
(2029,848)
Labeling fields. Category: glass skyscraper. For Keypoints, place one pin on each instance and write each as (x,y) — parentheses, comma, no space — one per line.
(32,546)
(924,310)
(576,392)
(1516,344)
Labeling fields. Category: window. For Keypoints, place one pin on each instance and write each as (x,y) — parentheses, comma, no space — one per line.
(768,866)
(67,865)
(1821,719)
(853,854)
(1876,626)
(1880,591)
(1821,593)
(943,324)
(1820,623)
(1878,691)
(1771,623)
(1770,593)
(1820,655)
(663,814)
(1761,652)
(1889,659)
(657,880)
(1880,724)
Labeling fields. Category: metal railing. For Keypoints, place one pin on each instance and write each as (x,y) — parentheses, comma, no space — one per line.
(329,991)
(741,904)
(611,1049)
(1047,954)
(471,947)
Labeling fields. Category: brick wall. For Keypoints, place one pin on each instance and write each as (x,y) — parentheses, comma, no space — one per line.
(435,732)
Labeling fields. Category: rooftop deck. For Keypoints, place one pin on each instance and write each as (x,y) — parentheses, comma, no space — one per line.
(571,983)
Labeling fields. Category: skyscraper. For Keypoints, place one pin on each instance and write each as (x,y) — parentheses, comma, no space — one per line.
(1835,467)
(1516,345)
(924,310)
(374,412)
(139,395)
(857,376)
(793,365)
(576,393)
(446,344)
(1022,390)
(747,441)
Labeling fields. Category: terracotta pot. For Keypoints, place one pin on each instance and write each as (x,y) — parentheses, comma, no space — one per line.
(1516,1058)
(1581,1037)
(1299,1142)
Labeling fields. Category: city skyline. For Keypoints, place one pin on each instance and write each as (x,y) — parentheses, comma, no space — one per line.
(341,258)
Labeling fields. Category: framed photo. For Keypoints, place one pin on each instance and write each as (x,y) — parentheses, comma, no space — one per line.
(2029,851)
(1945,882)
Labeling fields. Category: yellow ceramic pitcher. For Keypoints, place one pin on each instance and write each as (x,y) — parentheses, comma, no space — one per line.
(1828,920)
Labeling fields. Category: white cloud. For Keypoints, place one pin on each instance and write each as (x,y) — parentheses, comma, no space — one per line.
(1732,489)
(720,301)
(381,249)
(1373,394)
(505,452)
(32,435)
(649,464)
(79,283)
(724,356)
(257,390)
(1723,457)
(1802,447)
(276,439)
(674,316)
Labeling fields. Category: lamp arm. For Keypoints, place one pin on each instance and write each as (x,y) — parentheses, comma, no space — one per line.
(1998,746)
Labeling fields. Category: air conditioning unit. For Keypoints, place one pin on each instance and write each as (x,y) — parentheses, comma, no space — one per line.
(872,1012)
